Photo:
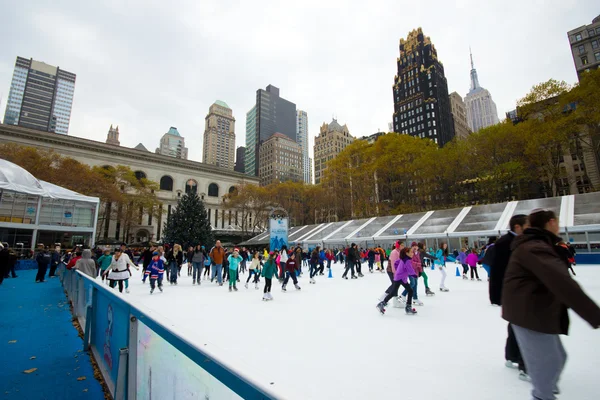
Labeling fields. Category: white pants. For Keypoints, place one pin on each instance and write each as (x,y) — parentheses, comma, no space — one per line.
(443,271)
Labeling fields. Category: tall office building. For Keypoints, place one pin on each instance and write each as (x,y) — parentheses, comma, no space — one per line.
(40,97)
(280,160)
(271,114)
(421,103)
(173,145)
(585,46)
(481,109)
(459,115)
(302,139)
(219,136)
(240,160)
(332,139)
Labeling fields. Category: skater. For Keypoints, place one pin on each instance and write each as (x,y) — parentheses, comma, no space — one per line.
(268,271)
(414,280)
(462,259)
(86,264)
(314,262)
(207,263)
(104,262)
(538,291)
(188,258)
(217,256)
(283,257)
(425,257)
(512,355)
(155,271)
(403,269)
(351,260)
(322,262)
(371,258)
(441,257)
(253,269)
(487,254)
(391,270)
(472,259)
(357,260)
(290,270)
(43,259)
(119,270)
(174,261)
(234,261)
(197,263)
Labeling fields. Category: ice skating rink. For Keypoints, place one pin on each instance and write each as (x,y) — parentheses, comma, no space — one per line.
(328,341)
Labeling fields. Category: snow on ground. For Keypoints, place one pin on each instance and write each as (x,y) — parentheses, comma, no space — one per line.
(328,340)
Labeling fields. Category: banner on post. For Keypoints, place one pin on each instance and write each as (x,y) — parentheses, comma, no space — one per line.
(278,229)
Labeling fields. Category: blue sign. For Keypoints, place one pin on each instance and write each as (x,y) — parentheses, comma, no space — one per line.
(30,210)
(68,214)
(278,233)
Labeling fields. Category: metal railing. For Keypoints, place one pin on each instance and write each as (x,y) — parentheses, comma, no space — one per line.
(141,358)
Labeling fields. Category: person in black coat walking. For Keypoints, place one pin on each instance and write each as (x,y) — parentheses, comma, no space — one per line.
(498,261)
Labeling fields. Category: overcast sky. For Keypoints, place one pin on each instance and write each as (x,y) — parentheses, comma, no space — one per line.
(146,65)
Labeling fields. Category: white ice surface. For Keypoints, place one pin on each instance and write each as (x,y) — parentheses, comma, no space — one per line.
(328,341)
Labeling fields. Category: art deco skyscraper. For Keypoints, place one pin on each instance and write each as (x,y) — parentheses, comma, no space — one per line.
(219,136)
(421,103)
(481,109)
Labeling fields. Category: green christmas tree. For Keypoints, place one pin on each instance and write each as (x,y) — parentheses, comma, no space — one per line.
(188,224)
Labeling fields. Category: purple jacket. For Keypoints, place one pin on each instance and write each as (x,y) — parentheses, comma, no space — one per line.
(404,269)
(462,257)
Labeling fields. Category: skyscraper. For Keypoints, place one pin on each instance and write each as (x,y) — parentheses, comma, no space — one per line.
(219,136)
(459,115)
(302,139)
(585,46)
(332,139)
(240,159)
(40,97)
(173,145)
(481,109)
(272,114)
(280,160)
(421,104)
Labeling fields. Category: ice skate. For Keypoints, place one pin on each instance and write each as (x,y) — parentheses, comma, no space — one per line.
(428,292)
(246,285)
(410,311)
(151,291)
(510,364)
(479,279)
(465,277)
(160,288)
(344,277)
(270,296)
(256,286)
(418,303)
(472,279)
(126,290)
(312,280)
(230,288)
(198,282)
(235,288)
(444,289)
(524,377)
(360,275)
(265,297)
(354,277)
(283,288)
(381,307)
(397,303)
(297,287)
(193,282)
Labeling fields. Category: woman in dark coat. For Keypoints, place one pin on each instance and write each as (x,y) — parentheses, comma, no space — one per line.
(537,292)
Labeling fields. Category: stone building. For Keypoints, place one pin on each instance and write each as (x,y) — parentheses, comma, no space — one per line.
(280,160)
(219,136)
(172,144)
(175,177)
(481,109)
(332,139)
(459,114)
(585,46)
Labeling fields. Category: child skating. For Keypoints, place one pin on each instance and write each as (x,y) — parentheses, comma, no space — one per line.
(472,260)
(291,266)
(234,262)
(155,271)
(268,271)
(462,259)
(253,270)
(441,257)
(403,269)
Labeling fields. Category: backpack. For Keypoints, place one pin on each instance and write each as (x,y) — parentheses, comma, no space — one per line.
(207,261)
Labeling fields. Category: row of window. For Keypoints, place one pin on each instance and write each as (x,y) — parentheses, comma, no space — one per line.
(585,61)
(591,32)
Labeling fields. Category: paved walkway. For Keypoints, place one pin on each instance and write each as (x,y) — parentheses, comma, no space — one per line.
(40,351)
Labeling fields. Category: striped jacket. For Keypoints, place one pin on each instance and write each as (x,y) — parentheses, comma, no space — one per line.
(156,269)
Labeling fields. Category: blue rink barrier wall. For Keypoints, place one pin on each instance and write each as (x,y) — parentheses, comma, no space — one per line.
(141,358)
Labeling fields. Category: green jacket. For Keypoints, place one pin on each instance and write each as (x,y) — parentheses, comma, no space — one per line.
(104,261)
(269,269)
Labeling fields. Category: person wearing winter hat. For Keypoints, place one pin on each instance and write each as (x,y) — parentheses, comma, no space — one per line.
(234,262)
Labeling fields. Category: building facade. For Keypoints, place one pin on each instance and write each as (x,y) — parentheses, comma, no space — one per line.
(240,160)
(271,114)
(280,160)
(421,103)
(302,139)
(459,115)
(373,138)
(585,46)
(481,109)
(332,139)
(219,136)
(40,97)
(174,176)
(172,144)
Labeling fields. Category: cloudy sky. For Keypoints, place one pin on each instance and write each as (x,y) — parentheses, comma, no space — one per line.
(146,65)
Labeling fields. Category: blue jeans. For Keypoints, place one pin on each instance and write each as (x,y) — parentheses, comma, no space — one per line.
(413,284)
(174,272)
(198,266)
(216,271)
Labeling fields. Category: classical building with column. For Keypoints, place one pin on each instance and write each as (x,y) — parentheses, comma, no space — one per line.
(174,175)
